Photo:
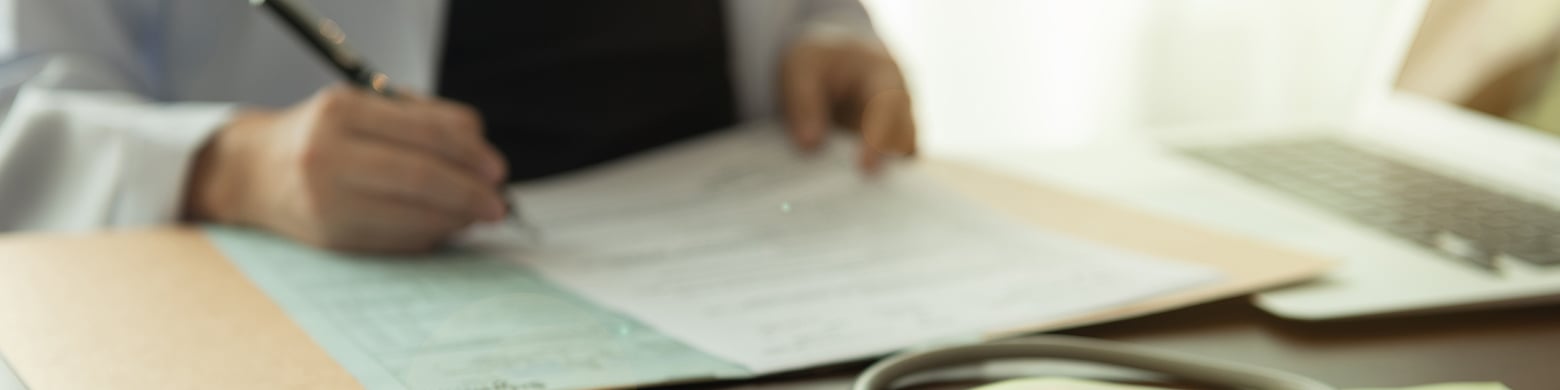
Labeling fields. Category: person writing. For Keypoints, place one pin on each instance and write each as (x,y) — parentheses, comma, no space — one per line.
(122,113)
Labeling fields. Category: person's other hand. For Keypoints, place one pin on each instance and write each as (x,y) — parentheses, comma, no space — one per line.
(854,82)
(348,170)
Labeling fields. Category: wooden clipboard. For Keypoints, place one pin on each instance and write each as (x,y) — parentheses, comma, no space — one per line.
(162,308)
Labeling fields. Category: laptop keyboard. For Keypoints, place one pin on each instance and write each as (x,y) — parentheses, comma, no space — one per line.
(1453,218)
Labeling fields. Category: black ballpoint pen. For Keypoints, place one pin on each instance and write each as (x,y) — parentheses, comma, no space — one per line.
(327,40)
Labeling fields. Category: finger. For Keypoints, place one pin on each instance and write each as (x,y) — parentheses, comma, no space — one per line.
(887,127)
(877,121)
(903,138)
(805,97)
(466,119)
(383,225)
(448,131)
(387,170)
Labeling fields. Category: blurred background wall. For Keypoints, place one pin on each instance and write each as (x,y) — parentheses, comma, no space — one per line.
(1034,74)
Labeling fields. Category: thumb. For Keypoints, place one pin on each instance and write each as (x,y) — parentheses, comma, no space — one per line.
(805,98)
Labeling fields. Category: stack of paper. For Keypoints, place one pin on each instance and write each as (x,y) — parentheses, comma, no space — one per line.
(728,257)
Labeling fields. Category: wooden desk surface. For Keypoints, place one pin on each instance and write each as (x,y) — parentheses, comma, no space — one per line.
(1518,347)
(177,270)
(173,300)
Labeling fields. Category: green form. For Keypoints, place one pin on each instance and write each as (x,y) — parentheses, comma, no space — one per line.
(457,321)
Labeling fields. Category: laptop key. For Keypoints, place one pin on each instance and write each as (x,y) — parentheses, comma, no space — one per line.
(1457,246)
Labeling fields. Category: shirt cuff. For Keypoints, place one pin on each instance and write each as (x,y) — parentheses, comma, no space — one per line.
(158,152)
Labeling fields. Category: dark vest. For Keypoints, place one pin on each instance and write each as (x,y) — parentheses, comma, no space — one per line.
(566,84)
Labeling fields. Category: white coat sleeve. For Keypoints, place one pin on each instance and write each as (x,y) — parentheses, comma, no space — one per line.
(839,17)
(764,30)
(85,141)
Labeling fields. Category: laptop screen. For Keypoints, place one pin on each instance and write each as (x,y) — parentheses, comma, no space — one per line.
(1496,57)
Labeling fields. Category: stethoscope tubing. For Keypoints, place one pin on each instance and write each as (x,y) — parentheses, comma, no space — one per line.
(881,376)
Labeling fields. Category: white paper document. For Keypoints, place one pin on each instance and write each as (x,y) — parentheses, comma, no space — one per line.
(773,259)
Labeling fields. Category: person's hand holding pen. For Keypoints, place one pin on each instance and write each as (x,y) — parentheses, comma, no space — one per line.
(361,167)
(352,170)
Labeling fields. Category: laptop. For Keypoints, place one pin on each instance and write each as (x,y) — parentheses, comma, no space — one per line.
(1442,209)
(1434,210)
(1428,207)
